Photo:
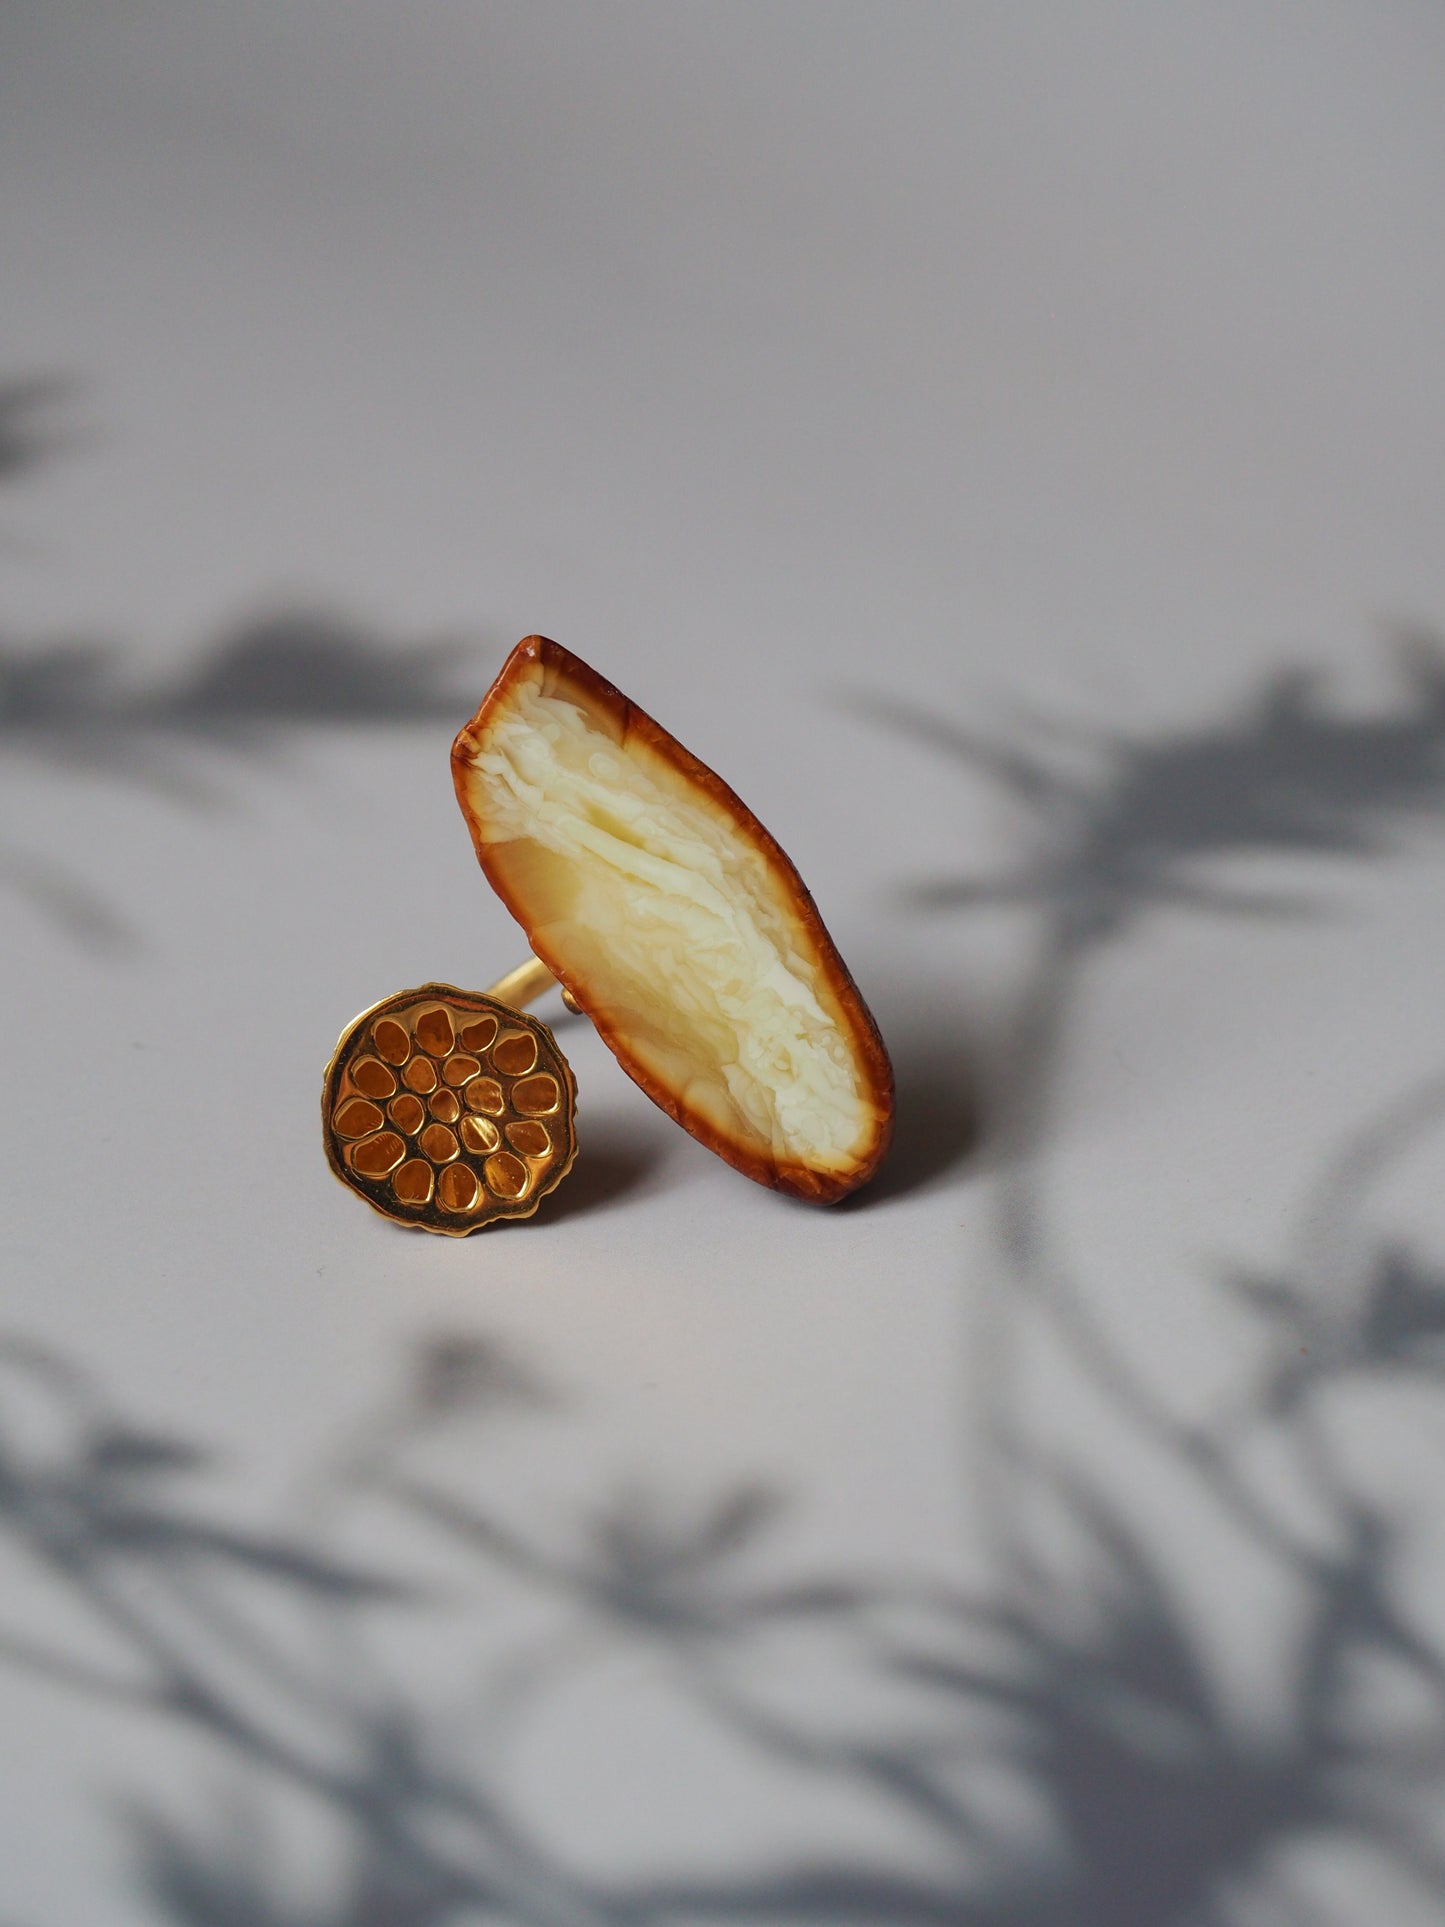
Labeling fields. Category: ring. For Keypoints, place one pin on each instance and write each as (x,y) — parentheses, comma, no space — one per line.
(655,899)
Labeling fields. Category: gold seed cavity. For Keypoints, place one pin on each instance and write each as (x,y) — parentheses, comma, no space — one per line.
(407,1113)
(413,1182)
(479,1134)
(485,1094)
(391,1040)
(439,1143)
(506,1176)
(372,1078)
(434,1032)
(375,1156)
(514,1052)
(457,1188)
(478,1035)
(536,1096)
(357,1117)
(529,1139)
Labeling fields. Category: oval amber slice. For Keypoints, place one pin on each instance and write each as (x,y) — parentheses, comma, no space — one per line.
(420,1075)
(458,1069)
(677,923)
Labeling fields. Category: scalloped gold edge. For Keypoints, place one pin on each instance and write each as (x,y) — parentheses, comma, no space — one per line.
(441,992)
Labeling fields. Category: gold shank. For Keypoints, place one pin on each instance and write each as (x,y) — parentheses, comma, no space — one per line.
(524,985)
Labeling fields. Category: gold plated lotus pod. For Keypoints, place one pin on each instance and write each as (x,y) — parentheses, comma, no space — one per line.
(449,1109)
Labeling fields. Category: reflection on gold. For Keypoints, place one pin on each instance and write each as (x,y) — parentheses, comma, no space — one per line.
(375,1156)
(536,1096)
(407,1113)
(528,1138)
(358,1117)
(413,1182)
(373,1079)
(479,1134)
(392,1040)
(434,1032)
(506,1175)
(458,1188)
(514,1052)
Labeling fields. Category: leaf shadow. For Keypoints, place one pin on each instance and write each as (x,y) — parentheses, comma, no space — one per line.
(1084,1685)
(1124,823)
(940,1102)
(68,708)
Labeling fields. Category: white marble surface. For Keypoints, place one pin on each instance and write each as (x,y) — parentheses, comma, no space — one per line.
(1005,441)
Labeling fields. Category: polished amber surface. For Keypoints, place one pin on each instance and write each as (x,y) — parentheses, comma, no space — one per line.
(432,1104)
(671,917)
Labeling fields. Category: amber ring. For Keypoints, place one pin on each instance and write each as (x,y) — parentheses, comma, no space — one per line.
(668,915)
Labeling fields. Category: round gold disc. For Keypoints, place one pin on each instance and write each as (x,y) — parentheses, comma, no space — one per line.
(447,1109)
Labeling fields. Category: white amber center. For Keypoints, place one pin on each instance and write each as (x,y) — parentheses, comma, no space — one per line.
(675,926)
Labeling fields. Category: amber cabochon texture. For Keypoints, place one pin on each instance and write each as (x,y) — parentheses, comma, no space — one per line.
(538,662)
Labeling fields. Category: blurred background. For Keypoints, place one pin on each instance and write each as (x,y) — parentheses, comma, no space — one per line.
(1004,440)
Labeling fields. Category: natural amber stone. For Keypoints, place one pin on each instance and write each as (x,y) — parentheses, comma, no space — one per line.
(672,917)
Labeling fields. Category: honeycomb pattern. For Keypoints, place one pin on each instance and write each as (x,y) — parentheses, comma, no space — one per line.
(446,1109)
